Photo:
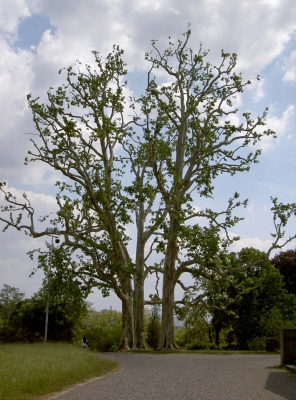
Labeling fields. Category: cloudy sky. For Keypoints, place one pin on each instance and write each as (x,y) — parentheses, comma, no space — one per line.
(38,37)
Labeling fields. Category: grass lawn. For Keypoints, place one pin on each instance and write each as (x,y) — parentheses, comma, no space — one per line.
(28,371)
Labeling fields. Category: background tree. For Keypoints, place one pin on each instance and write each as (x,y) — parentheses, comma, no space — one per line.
(262,306)
(153,327)
(285,262)
(10,297)
(250,303)
(67,307)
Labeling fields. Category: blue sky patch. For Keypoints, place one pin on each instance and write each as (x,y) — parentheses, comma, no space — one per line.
(31,29)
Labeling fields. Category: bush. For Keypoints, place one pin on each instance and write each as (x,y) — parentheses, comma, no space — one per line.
(263,343)
(113,348)
(257,344)
(103,329)
(181,336)
(199,345)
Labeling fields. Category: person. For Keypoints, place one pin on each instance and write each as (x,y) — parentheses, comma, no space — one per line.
(84,342)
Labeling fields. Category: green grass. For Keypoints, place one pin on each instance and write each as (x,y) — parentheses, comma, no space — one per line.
(28,371)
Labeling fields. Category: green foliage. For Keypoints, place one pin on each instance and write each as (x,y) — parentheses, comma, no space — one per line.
(153,327)
(103,329)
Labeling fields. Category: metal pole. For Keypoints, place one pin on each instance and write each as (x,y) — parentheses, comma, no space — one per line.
(48,294)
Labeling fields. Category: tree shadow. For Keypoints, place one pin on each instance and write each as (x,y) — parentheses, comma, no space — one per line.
(282,383)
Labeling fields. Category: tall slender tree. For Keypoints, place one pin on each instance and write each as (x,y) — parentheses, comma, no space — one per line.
(81,145)
(192,139)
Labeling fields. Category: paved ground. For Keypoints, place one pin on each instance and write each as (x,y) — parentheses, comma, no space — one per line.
(189,376)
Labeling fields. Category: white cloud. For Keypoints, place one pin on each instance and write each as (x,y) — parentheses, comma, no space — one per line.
(15,81)
(290,68)
(260,32)
(279,125)
(11,12)
(251,207)
(258,89)
(259,244)
(272,3)
(255,242)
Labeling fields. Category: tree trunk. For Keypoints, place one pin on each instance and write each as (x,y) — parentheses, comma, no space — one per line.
(167,337)
(139,311)
(127,340)
(217,337)
(139,282)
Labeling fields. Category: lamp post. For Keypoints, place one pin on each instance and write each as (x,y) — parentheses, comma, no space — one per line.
(52,232)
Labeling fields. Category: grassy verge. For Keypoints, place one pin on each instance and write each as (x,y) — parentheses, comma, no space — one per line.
(29,371)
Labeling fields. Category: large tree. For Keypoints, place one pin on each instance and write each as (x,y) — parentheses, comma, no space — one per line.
(192,139)
(177,140)
(80,129)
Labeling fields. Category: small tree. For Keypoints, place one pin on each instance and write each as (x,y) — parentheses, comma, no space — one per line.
(153,327)
(10,297)
(285,262)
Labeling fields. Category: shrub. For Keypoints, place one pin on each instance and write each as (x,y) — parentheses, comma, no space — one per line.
(199,345)
(103,329)
(257,344)
(181,336)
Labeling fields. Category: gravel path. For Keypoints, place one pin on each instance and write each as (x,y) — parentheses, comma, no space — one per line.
(189,376)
